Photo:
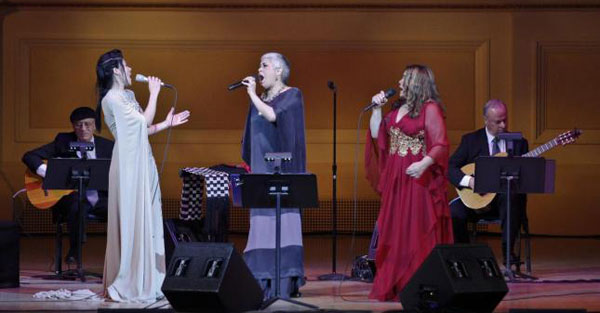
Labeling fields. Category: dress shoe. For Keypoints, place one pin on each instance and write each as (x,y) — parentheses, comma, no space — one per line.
(296,294)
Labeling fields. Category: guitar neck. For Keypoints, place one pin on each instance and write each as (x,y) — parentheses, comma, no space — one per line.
(541,149)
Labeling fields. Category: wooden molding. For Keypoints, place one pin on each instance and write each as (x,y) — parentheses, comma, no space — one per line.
(315,4)
(544,49)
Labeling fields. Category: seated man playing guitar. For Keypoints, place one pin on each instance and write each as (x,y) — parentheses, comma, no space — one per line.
(83,122)
(484,142)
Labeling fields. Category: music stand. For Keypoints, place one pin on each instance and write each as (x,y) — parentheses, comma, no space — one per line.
(78,174)
(276,191)
(513,175)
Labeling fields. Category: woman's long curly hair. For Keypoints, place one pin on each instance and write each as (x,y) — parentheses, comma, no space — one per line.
(105,78)
(419,86)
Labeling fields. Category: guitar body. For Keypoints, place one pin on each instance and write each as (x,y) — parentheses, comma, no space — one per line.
(40,198)
(471,199)
(477,201)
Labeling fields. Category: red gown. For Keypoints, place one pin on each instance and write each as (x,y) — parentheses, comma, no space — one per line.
(414,214)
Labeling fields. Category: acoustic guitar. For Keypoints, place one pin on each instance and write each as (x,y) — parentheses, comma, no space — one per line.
(39,197)
(478,201)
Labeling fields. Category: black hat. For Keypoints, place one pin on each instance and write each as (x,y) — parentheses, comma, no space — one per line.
(82,113)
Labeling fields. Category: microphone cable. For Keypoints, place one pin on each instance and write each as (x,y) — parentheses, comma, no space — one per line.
(354,214)
(174,106)
(166,149)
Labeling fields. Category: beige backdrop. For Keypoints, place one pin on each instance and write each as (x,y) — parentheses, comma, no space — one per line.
(542,58)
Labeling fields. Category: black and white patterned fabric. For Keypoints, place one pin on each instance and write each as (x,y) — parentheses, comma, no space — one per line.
(196,182)
(191,197)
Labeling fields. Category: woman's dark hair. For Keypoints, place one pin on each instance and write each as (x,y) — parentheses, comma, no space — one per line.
(104,78)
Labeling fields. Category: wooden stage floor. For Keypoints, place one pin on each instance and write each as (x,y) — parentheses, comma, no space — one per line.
(568,270)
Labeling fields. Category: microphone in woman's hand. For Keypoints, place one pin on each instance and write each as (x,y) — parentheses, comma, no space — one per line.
(143,79)
(388,93)
(238,84)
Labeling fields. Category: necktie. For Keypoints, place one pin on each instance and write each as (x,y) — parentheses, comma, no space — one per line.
(495,146)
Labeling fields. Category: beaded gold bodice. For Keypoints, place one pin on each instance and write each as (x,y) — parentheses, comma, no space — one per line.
(401,143)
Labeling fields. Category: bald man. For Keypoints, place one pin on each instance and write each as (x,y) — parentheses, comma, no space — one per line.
(484,142)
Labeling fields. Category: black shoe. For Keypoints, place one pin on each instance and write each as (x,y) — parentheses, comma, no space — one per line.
(296,294)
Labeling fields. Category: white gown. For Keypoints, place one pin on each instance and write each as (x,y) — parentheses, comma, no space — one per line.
(134,268)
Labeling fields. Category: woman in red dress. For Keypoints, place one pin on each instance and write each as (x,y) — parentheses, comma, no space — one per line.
(406,157)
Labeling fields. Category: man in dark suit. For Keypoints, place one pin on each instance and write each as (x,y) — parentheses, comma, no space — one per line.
(83,122)
(484,142)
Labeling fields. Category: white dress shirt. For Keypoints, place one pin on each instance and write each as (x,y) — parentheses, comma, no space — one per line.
(464,182)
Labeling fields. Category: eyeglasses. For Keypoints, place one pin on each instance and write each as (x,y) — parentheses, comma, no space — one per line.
(81,124)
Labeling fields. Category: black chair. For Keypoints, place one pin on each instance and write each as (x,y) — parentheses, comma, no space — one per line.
(476,225)
(20,204)
(60,221)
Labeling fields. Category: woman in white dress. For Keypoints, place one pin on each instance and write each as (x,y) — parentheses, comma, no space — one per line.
(134,266)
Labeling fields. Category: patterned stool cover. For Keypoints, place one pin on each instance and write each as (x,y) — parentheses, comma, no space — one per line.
(196,182)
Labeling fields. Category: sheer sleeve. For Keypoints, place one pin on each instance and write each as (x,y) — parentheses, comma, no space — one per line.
(437,148)
(376,154)
(435,135)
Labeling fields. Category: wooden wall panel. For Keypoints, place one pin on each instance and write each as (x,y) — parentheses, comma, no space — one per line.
(541,62)
(61,77)
(568,88)
(50,55)
(555,82)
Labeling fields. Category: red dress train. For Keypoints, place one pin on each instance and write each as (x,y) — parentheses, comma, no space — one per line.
(414,214)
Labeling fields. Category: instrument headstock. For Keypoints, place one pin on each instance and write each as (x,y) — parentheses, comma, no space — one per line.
(568,137)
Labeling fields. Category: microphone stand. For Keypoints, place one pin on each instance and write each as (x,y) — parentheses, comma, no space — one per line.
(333,275)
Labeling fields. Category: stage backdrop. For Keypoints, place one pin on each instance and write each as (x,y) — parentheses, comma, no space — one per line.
(542,58)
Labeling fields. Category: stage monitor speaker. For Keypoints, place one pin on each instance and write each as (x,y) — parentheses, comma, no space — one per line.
(179,231)
(9,258)
(461,278)
(210,277)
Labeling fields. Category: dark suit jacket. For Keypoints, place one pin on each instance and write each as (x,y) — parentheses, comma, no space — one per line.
(60,148)
(472,146)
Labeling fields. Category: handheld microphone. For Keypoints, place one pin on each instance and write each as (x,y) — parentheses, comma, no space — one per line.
(143,79)
(388,93)
(236,85)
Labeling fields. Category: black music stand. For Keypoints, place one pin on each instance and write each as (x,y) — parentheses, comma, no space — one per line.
(78,174)
(276,191)
(513,175)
